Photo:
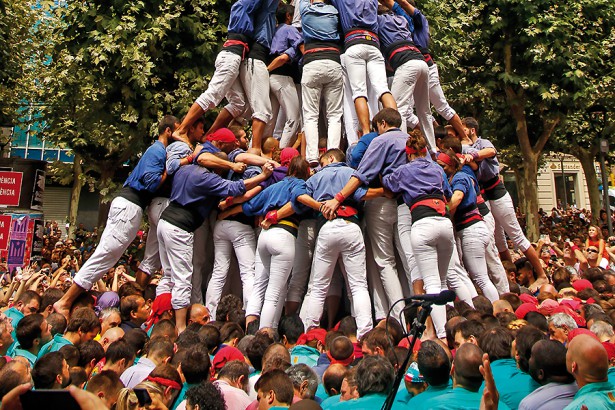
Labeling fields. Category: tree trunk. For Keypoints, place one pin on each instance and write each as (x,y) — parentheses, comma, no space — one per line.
(529,205)
(587,157)
(106,177)
(75,194)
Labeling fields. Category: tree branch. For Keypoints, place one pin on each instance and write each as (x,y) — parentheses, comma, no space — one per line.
(549,125)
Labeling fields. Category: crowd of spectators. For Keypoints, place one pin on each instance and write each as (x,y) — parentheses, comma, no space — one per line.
(552,349)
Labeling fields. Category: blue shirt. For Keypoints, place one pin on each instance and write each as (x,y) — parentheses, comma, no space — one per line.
(367,402)
(423,400)
(264,22)
(417,179)
(273,197)
(392,29)
(15,316)
(147,175)
(24,353)
(54,345)
(513,384)
(175,152)
(595,396)
(357,14)
(401,12)
(361,147)
(319,22)
(278,174)
(462,182)
(241,20)
(286,40)
(551,396)
(461,399)
(383,156)
(488,168)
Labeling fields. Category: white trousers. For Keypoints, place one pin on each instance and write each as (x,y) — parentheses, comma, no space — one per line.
(255,80)
(176,247)
(284,103)
(123,223)
(433,242)
(363,62)
(474,240)
(339,239)
(201,258)
(224,83)
(436,95)
(231,236)
(503,211)
(304,251)
(380,222)
(274,262)
(151,259)
(403,242)
(411,88)
(497,273)
(322,78)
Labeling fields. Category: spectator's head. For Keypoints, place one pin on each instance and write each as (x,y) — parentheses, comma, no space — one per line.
(501,305)
(119,356)
(51,372)
(434,364)
(57,322)
(112,335)
(387,118)
(333,377)
(33,332)
(83,325)
(160,350)
(28,303)
(513,299)
(349,386)
(587,360)
(106,385)
(166,382)
(90,353)
(468,332)
(483,305)
(602,329)
(276,356)
(375,374)
(13,374)
(109,318)
(165,328)
(187,339)
(304,379)
(50,296)
(547,363)
(227,304)
(525,339)
(290,328)
(348,326)
(196,364)
(236,373)
(71,354)
(497,343)
(137,338)
(394,329)
(231,333)
(560,324)
(376,342)
(210,335)
(130,289)
(205,396)
(133,308)
(341,350)
(274,389)
(466,364)
(538,320)
(198,313)
(256,350)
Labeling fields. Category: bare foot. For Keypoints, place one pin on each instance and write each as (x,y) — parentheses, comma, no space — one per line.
(61,308)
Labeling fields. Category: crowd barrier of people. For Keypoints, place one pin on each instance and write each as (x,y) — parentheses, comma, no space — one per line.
(268,276)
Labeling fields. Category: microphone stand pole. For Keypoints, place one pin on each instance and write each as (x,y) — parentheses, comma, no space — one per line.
(418,327)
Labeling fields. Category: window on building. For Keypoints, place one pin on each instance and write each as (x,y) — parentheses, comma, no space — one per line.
(566,187)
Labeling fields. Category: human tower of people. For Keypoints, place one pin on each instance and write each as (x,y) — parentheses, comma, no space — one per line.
(439,202)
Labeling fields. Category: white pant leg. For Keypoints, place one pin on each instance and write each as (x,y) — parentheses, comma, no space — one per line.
(285,92)
(333,95)
(280,248)
(380,221)
(178,245)
(436,95)
(304,251)
(497,273)
(353,258)
(223,252)
(123,223)
(458,279)
(325,258)
(165,285)
(261,277)
(151,259)
(503,212)
(474,240)
(245,251)
(363,61)
(403,243)
(433,243)
(255,80)
(351,121)
(226,72)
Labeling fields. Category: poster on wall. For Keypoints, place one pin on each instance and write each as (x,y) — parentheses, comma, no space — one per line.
(23,245)
(38,190)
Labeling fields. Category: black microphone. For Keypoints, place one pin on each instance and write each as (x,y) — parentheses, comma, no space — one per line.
(439,299)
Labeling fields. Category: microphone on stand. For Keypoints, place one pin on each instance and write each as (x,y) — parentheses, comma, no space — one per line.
(438,299)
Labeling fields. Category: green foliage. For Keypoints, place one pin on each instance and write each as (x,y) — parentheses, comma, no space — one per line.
(116,67)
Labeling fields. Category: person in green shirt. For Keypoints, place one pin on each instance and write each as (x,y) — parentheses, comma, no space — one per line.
(82,326)
(588,362)
(6,334)
(435,367)
(375,376)
(28,303)
(33,332)
(274,390)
